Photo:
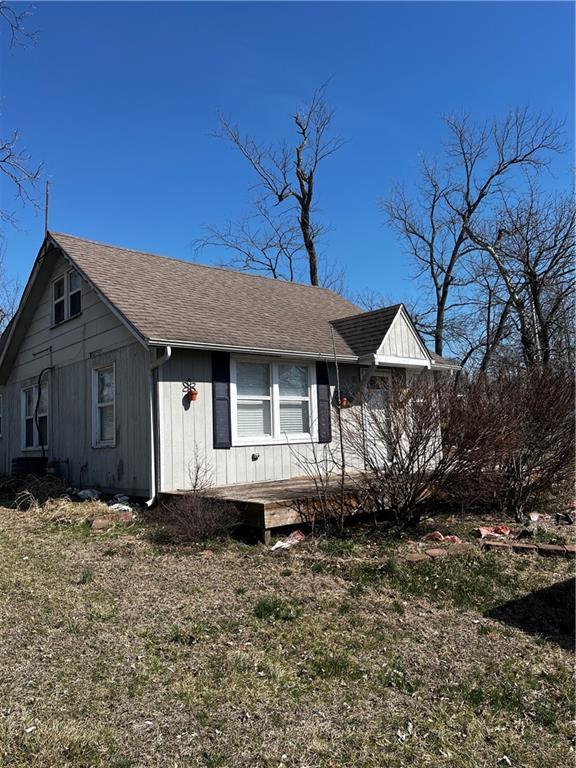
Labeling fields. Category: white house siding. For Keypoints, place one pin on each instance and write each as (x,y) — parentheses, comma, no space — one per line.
(401,341)
(73,349)
(186,436)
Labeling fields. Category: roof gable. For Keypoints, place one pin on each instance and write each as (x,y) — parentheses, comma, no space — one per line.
(402,340)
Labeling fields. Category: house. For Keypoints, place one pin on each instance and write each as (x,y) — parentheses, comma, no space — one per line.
(98,366)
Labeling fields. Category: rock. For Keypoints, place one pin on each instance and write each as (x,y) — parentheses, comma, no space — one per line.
(436,553)
(434,536)
(415,557)
(461,549)
(101,523)
(124,517)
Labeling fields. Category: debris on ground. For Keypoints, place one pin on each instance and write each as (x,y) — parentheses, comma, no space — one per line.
(295,538)
(120,498)
(120,507)
(501,531)
(437,536)
(564,518)
(89,494)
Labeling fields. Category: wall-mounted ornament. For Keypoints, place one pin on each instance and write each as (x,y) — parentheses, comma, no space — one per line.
(189,389)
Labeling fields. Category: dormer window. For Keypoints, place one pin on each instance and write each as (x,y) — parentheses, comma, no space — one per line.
(67,296)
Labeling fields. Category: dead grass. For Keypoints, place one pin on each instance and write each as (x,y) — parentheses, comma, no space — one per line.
(117,652)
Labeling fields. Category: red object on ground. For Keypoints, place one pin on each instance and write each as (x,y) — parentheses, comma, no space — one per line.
(491,530)
(453,539)
(503,530)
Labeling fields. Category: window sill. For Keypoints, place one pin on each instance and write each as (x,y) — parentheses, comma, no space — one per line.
(35,448)
(103,445)
(66,320)
(256,442)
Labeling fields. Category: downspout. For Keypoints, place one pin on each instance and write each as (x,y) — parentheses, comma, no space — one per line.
(154,365)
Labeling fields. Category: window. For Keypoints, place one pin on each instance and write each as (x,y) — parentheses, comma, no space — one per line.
(74,294)
(35,424)
(271,401)
(59,300)
(294,397)
(104,407)
(67,296)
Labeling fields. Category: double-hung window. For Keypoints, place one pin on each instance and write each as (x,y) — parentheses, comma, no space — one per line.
(104,407)
(271,401)
(294,399)
(66,297)
(35,416)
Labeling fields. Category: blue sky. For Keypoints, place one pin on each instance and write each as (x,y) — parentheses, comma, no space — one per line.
(119,100)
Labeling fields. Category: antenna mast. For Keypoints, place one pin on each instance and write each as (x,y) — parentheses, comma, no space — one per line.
(46,204)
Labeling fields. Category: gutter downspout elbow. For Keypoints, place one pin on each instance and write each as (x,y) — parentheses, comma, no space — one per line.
(154,365)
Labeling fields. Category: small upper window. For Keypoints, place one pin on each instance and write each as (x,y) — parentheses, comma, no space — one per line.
(59,300)
(74,294)
(67,296)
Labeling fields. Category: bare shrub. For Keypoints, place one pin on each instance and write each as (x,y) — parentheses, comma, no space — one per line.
(396,432)
(529,463)
(193,517)
(197,515)
(502,443)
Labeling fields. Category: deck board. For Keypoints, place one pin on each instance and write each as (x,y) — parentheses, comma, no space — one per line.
(279,502)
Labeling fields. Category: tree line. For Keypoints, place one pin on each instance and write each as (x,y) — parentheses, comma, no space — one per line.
(492,250)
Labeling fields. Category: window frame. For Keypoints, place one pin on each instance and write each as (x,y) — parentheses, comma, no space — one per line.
(65,299)
(97,406)
(70,293)
(23,418)
(60,299)
(277,437)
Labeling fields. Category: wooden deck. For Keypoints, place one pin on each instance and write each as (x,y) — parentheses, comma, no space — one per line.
(282,502)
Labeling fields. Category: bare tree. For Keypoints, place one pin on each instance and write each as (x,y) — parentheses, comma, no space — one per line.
(15,163)
(14,22)
(275,239)
(531,245)
(481,162)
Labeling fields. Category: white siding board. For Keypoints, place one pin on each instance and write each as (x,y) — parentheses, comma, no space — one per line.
(182,429)
(401,341)
(73,348)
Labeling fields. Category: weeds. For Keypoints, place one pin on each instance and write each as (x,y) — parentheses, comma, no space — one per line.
(276,609)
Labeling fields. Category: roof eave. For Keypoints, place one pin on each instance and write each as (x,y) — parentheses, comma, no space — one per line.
(211,346)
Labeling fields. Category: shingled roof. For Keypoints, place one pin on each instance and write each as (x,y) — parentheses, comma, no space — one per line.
(169,300)
(364,332)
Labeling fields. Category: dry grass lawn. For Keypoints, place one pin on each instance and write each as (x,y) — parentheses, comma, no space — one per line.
(120,651)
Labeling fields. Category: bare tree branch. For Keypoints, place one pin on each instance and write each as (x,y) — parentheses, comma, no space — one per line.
(434,224)
(286,173)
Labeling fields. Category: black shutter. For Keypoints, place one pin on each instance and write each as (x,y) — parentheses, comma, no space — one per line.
(221,400)
(324,407)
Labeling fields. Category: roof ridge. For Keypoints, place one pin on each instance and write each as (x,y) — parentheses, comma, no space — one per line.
(55,235)
(370,312)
